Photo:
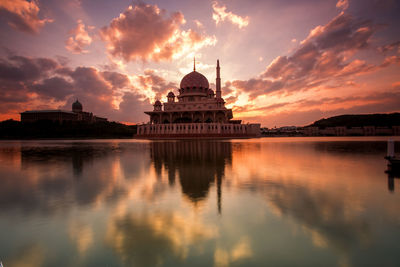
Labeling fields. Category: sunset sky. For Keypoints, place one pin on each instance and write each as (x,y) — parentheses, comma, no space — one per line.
(283,62)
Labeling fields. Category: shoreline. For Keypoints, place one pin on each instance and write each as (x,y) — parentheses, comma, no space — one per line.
(198,138)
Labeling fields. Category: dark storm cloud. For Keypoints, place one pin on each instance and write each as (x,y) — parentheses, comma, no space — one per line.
(23,69)
(55,87)
(89,80)
(117,79)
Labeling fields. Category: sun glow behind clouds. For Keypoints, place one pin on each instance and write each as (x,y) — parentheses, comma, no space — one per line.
(146,32)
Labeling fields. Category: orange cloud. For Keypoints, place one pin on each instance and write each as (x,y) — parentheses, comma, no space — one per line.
(342,4)
(78,40)
(23,15)
(157,84)
(220,15)
(146,32)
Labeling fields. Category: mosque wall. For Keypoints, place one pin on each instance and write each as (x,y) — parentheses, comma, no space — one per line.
(198,130)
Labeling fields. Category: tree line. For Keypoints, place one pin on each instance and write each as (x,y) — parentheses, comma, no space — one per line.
(11,129)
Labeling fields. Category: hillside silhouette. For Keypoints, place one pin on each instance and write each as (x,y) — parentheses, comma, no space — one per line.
(377,120)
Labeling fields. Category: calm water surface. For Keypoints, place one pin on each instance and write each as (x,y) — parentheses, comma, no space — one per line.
(260,202)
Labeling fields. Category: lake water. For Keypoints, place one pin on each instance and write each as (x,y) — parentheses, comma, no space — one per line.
(259,202)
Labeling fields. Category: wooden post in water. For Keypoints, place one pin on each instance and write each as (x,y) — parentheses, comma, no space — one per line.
(390,148)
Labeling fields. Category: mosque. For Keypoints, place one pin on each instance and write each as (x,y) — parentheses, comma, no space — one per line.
(195,112)
(77,114)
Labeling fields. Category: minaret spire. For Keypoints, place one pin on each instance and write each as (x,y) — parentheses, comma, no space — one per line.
(194,63)
(218,82)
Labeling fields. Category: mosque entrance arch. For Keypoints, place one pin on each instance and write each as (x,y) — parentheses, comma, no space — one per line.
(197,117)
(220,117)
(165,118)
(186,118)
(175,117)
(208,118)
(155,119)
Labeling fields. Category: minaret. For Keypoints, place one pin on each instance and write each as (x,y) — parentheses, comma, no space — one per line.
(218,82)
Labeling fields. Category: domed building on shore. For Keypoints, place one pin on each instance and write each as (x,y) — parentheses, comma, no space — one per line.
(77,114)
(196,111)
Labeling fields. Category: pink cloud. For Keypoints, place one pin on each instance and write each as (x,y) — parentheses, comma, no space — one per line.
(23,15)
(79,39)
(148,33)
(325,57)
(220,14)
(157,83)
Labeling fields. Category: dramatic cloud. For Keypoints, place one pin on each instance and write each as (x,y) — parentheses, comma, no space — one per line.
(302,87)
(23,15)
(18,68)
(156,83)
(43,83)
(322,59)
(220,15)
(146,32)
(79,39)
(18,77)
(54,87)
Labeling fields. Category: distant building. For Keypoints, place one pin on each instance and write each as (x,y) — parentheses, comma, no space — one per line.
(77,114)
(198,112)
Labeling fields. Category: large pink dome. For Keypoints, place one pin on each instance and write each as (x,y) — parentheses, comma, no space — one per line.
(194,79)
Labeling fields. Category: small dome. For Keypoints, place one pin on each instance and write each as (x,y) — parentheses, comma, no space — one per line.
(194,79)
(171,94)
(210,92)
(157,103)
(76,106)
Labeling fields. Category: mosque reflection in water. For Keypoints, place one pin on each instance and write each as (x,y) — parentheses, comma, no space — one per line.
(198,165)
(210,203)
